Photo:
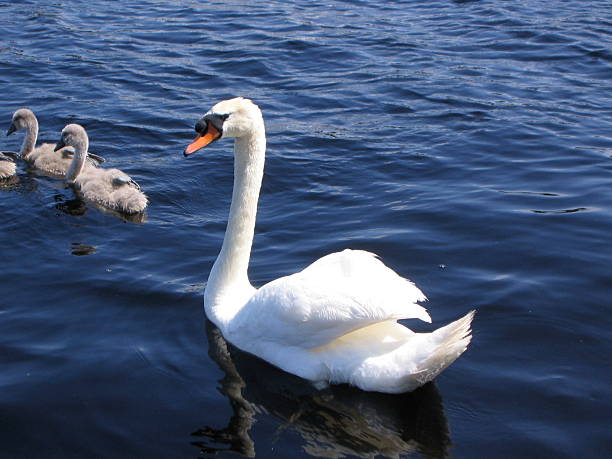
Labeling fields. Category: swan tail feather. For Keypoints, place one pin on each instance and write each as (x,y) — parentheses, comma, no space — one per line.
(450,342)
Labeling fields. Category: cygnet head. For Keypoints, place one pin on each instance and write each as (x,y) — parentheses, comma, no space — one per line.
(22,119)
(236,117)
(73,135)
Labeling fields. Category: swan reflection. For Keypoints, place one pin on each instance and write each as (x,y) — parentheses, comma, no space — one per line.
(9,183)
(78,207)
(74,207)
(78,249)
(336,422)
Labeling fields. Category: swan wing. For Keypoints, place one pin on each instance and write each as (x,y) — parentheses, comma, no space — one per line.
(122,180)
(335,295)
(95,159)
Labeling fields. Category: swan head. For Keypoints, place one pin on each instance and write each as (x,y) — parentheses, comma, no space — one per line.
(73,135)
(22,119)
(238,117)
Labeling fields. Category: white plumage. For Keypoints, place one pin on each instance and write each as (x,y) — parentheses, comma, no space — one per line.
(110,188)
(336,320)
(330,298)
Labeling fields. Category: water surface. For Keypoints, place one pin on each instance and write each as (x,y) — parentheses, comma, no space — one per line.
(467,143)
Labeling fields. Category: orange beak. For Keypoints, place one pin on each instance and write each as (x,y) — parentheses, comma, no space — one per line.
(201,141)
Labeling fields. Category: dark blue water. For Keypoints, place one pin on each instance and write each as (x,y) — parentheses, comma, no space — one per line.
(468,143)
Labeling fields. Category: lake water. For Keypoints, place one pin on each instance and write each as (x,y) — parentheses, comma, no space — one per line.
(468,143)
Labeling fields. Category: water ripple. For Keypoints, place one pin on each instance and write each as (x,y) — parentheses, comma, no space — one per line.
(468,134)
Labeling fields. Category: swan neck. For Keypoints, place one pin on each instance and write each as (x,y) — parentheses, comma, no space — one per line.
(78,160)
(29,141)
(228,285)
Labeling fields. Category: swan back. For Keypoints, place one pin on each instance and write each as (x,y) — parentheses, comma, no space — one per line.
(113,189)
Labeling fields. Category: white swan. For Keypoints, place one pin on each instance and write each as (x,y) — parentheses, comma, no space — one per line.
(110,188)
(46,158)
(7,167)
(333,322)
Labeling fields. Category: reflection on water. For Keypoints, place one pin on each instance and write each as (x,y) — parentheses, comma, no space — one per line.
(74,207)
(559,211)
(9,183)
(333,423)
(20,183)
(78,207)
(78,249)
(131,218)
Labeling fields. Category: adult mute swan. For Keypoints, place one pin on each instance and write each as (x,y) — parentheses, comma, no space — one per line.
(336,320)
(46,158)
(7,167)
(110,188)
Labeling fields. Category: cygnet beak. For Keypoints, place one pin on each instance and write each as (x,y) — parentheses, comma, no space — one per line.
(11,129)
(60,144)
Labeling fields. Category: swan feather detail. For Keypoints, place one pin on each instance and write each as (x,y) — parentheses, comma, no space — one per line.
(335,295)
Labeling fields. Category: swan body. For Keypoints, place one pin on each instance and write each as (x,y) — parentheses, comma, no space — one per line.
(45,157)
(110,188)
(336,320)
(7,167)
